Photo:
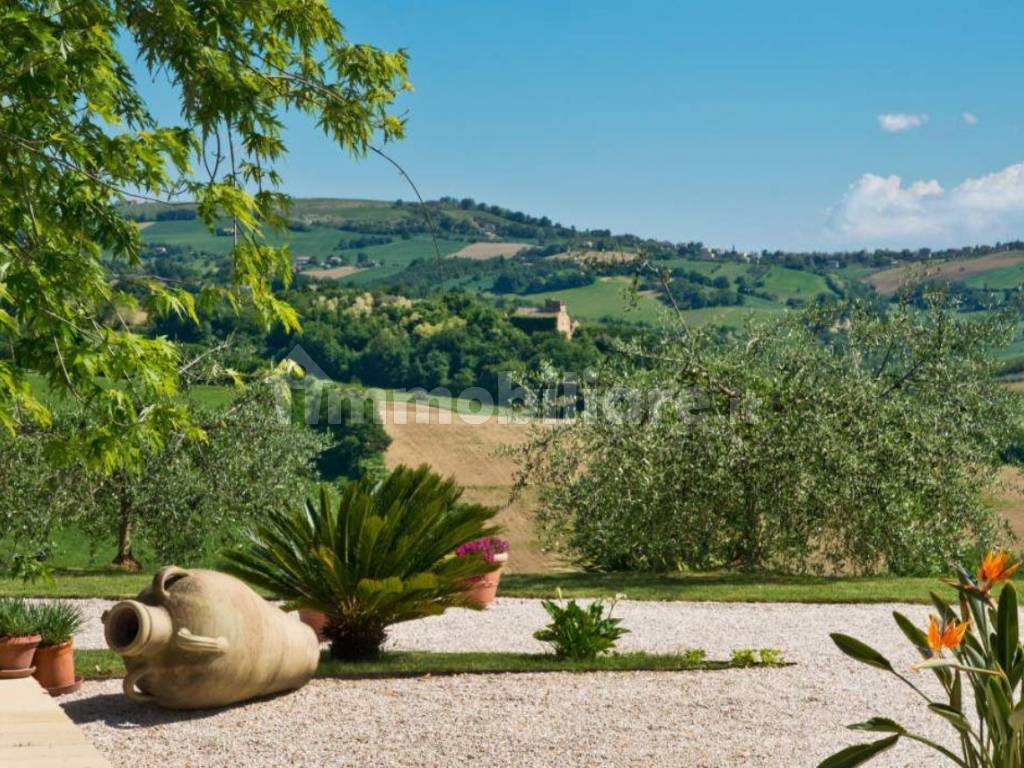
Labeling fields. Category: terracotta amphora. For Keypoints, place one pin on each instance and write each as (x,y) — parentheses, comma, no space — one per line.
(198,638)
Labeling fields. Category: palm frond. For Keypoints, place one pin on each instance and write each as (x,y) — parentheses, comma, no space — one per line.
(383,554)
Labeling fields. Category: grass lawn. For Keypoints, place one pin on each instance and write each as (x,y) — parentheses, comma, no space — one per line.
(97,664)
(724,586)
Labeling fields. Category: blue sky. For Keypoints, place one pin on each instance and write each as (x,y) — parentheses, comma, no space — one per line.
(755,124)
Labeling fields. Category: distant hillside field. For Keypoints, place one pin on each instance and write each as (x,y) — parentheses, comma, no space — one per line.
(996,271)
(334,273)
(485,251)
(607,297)
(595,257)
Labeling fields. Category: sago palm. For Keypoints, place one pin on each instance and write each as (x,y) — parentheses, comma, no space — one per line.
(381,555)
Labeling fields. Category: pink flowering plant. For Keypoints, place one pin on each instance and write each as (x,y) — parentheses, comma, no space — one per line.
(489,547)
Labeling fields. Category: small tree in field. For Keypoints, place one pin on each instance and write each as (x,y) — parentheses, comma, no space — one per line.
(837,437)
(194,493)
(191,497)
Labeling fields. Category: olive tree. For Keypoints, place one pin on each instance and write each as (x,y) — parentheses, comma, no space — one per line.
(836,438)
(77,141)
(187,501)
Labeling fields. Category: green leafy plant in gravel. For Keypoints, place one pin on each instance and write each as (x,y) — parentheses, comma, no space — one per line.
(743,657)
(580,633)
(981,678)
(382,555)
(750,657)
(693,656)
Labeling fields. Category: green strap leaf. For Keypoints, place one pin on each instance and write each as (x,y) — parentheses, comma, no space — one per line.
(1016,719)
(859,754)
(879,725)
(855,649)
(1006,626)
(954,664)
(952,715)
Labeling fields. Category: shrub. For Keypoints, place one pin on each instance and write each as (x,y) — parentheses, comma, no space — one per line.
(983,671)
(838,437)
(57,621)
(382,555)
(16,618)
(579,633)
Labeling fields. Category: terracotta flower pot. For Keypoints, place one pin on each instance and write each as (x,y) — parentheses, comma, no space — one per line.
(314,619)
(16,656)
(484,589)
(55,668)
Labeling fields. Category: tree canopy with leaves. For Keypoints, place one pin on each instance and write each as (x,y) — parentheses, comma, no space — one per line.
(77,141)
(838,438)
(192,497)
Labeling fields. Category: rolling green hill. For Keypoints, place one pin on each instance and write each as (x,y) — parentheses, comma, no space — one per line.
(374,243)
(606,298)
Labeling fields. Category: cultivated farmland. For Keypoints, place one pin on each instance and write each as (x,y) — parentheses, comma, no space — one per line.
(996,270)
(469,452)
(484,251)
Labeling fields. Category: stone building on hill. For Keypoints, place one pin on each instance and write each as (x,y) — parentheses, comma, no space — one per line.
(554,315)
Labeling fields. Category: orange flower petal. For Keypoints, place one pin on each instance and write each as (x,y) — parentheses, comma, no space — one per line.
(996,567)
(953,634)
(934,634)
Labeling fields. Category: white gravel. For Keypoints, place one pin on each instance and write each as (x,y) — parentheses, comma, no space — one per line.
(786,717)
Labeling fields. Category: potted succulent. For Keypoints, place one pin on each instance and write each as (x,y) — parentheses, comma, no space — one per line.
(483,589)
(54,661)
(18,638)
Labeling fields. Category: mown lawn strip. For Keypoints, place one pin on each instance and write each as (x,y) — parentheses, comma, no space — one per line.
(96,664)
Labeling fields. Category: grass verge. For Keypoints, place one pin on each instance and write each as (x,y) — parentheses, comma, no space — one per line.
(724,586)
(104,664)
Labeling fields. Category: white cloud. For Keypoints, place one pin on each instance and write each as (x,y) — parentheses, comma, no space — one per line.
(897,122)
(969,117)
(880,211)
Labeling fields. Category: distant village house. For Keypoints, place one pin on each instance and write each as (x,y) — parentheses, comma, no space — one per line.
(554,315)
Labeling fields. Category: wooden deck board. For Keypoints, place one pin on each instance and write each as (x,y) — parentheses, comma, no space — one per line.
(36,733)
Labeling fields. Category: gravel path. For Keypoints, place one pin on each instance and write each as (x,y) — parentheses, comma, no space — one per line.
(786,717)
